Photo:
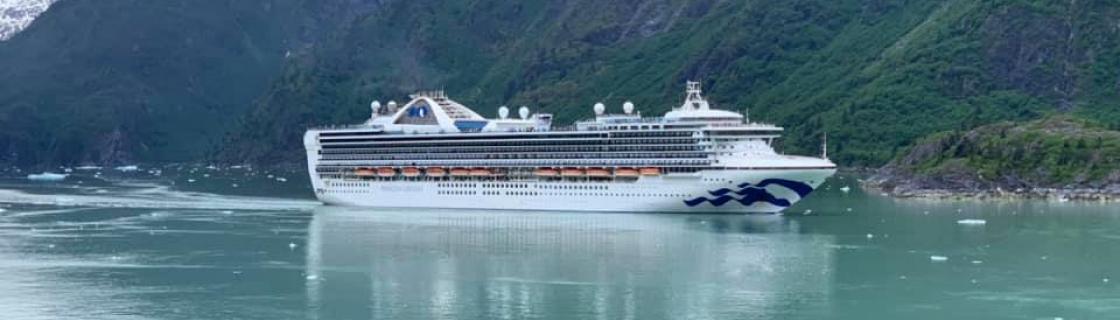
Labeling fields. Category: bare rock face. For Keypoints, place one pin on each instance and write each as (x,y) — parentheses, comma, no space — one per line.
(16,15)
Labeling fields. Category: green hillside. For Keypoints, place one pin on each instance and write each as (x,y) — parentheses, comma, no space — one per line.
(875,75)
(1055,152)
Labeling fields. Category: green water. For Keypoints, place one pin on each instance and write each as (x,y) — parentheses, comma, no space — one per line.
(209,250)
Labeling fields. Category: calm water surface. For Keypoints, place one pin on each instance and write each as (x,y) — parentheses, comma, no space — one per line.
(168,249)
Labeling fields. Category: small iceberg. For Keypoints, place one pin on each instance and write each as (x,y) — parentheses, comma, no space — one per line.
(938,258)
(47,176)
(88,168)
(281,179)
(845,189)
(972,222)
(128,168)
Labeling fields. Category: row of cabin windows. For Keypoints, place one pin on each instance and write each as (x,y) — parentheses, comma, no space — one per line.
(436,156)
(542,162)
(618,141)
(525,149)
(339,171)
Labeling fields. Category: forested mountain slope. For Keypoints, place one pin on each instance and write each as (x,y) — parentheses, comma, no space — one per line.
(875,75)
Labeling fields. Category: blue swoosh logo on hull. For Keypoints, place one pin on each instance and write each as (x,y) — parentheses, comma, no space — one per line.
(753,193)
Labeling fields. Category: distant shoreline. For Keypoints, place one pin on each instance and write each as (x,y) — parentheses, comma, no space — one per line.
(909,190)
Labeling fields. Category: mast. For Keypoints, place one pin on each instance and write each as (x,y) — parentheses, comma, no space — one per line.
(824,146)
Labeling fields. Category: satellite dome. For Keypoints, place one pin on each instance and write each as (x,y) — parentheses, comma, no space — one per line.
(375,106)
(503,112)
(599,108)
(628,107)
(392,106)
(523,112)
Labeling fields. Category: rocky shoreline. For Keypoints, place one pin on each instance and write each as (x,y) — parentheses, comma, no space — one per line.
(926,188)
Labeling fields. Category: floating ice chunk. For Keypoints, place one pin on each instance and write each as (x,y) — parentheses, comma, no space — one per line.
(977,262)
(3,210)
(808,211)
(1105,280)
(191,180)
(849,210)
(88,168)
(281,179)
(47,176)
(972,222)
(233,185)
(938,258)
(67,170)
(845,189)
(312,277)
(292,246)
(129,168)
(227,211)
(869,236)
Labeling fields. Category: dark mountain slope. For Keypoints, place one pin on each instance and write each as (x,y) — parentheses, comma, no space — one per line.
(127,80)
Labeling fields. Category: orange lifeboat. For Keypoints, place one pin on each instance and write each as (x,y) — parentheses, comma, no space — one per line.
(598,172)
(435,172)
(410,171)
(626,172)
(386,172)
(571,172)
(480,172)
(364,172)
(546,172)
(460,172)
(650,171)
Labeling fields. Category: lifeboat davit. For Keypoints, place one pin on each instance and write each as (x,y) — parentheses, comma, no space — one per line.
(364,172)
(598,172)
(480,172)
(435,172)
(386,172)
(650,171)
(572,172)
(460,172)
(410,171)
(546,172)
(626,172)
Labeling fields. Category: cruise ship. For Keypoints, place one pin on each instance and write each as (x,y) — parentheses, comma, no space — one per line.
(433,152)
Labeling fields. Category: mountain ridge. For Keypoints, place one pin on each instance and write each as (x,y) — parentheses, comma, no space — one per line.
(875,75)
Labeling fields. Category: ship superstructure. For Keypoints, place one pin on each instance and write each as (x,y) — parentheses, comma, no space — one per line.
(433,152)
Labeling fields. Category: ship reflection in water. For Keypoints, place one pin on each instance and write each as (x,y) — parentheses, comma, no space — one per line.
(380,264)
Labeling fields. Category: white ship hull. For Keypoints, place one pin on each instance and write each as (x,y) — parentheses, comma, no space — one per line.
(769,191)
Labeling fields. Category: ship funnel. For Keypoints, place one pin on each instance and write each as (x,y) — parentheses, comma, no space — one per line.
(523,112)
(503,112)
(628,107)
(599,108)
